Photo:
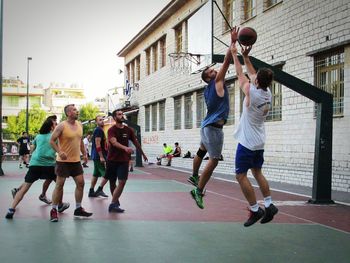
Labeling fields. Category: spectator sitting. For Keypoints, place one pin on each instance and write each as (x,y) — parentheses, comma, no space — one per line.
(177,151)
(167,154)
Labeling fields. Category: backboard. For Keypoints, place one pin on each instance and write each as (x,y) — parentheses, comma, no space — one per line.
(200,40)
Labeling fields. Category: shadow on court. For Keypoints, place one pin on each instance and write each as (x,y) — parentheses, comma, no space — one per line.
(163,224)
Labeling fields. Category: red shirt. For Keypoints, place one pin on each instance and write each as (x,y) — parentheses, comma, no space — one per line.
(123,135)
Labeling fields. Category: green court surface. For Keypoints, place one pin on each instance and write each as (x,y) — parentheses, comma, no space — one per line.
(162,224)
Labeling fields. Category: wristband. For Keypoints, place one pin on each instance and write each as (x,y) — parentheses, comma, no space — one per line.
(98,149)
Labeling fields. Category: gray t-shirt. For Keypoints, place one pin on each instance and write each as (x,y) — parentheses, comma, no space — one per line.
(251,129)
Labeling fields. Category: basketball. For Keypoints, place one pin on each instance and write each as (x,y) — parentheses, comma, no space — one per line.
(247,36)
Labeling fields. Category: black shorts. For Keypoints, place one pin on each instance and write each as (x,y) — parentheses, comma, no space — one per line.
(23,152)
(117,170)
(40,172)
(66,169)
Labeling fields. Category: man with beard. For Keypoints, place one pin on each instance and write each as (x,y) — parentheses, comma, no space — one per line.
(118,158)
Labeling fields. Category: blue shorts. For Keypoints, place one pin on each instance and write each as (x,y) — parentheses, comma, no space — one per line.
(247,159)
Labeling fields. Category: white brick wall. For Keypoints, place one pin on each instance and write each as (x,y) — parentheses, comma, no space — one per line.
(286,32)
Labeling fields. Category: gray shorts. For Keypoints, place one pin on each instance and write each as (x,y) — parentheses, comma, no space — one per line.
(212,139)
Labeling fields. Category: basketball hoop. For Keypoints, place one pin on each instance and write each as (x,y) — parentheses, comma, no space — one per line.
(181,62)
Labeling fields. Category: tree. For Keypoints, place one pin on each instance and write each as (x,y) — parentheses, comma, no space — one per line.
(17,124)
(88,112)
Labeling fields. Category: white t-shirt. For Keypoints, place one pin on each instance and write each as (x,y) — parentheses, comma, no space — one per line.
(251,129)
(86,144)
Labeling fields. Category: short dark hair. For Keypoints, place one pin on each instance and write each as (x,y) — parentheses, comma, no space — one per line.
(204,75)
(66,108)
(176,143)
(114,113)
(164,144)
(46,126)
(52,117)
(24,132)
(264,78)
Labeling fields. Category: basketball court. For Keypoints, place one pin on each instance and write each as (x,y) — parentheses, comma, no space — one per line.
(163,224)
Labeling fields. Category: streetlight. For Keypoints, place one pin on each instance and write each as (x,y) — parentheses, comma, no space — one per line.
(27,108)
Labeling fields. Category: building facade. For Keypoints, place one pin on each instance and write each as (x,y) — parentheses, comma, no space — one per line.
(15,97)
(307,39)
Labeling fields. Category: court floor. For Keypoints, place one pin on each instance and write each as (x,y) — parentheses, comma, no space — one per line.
(162,224)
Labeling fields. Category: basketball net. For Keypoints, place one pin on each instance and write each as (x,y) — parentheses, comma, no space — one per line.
(181,62)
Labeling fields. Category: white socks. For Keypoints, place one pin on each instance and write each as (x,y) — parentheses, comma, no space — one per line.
(267,201)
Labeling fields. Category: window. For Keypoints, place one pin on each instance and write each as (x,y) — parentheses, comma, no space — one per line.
(154,117)
(34,101)
(231,94)
(329,76)
(269,3)
(275,112)
(162,44)
(137,69)
(11,101)
(249,9)
(148,61)
(178,38)
(147,117)
(155,57)
(201,108)
(228,9)
(177,113)
(188,111)
(162,115)
(132,71)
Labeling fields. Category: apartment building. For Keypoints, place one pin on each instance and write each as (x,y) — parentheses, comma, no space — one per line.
(307,39)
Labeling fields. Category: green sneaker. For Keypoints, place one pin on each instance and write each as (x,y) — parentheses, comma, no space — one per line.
(198,197)
(193,180)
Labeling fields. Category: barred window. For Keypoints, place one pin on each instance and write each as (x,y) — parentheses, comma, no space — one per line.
(188,111)
(162,115)
(177,113)
(11,101)
(147,118)
(228,10)
(154,117)
(34,101)
(201,108)
(231,94)
(137,68)
(162,43)
(178,38)
(275,112)
(329,76)
(148,61)
(155,57)
(249,9)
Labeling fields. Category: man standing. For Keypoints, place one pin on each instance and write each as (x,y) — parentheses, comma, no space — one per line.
(118,158)
(251,136)
(66,140)
(86,142)
(212,137)
(24,147)
(98,155)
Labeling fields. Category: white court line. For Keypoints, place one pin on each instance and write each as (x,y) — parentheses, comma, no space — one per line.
(244,201)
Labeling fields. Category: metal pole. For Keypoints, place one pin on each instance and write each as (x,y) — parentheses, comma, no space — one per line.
(27,107)
(1,25)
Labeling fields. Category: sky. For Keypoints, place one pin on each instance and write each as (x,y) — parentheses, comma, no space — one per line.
(72,41)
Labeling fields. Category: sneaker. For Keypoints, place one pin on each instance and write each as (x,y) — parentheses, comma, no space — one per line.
(131,169)
(10,213)
(100,193)
(20,166)
(63,207)
(85,165)
(270,212)
(193,180)
(81,212)
(92,193)
(114,208)
(53,215)
(198,197)
(14,192)
(254,217)
(44,199)
(27,165)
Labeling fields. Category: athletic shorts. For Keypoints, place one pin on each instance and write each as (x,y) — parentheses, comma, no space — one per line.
(247,159)
(99,169)
(40,172)
(65,169)
(117,170)
(213,139)
(23,152)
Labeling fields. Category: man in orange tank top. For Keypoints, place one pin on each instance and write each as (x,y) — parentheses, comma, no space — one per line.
(67,141)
